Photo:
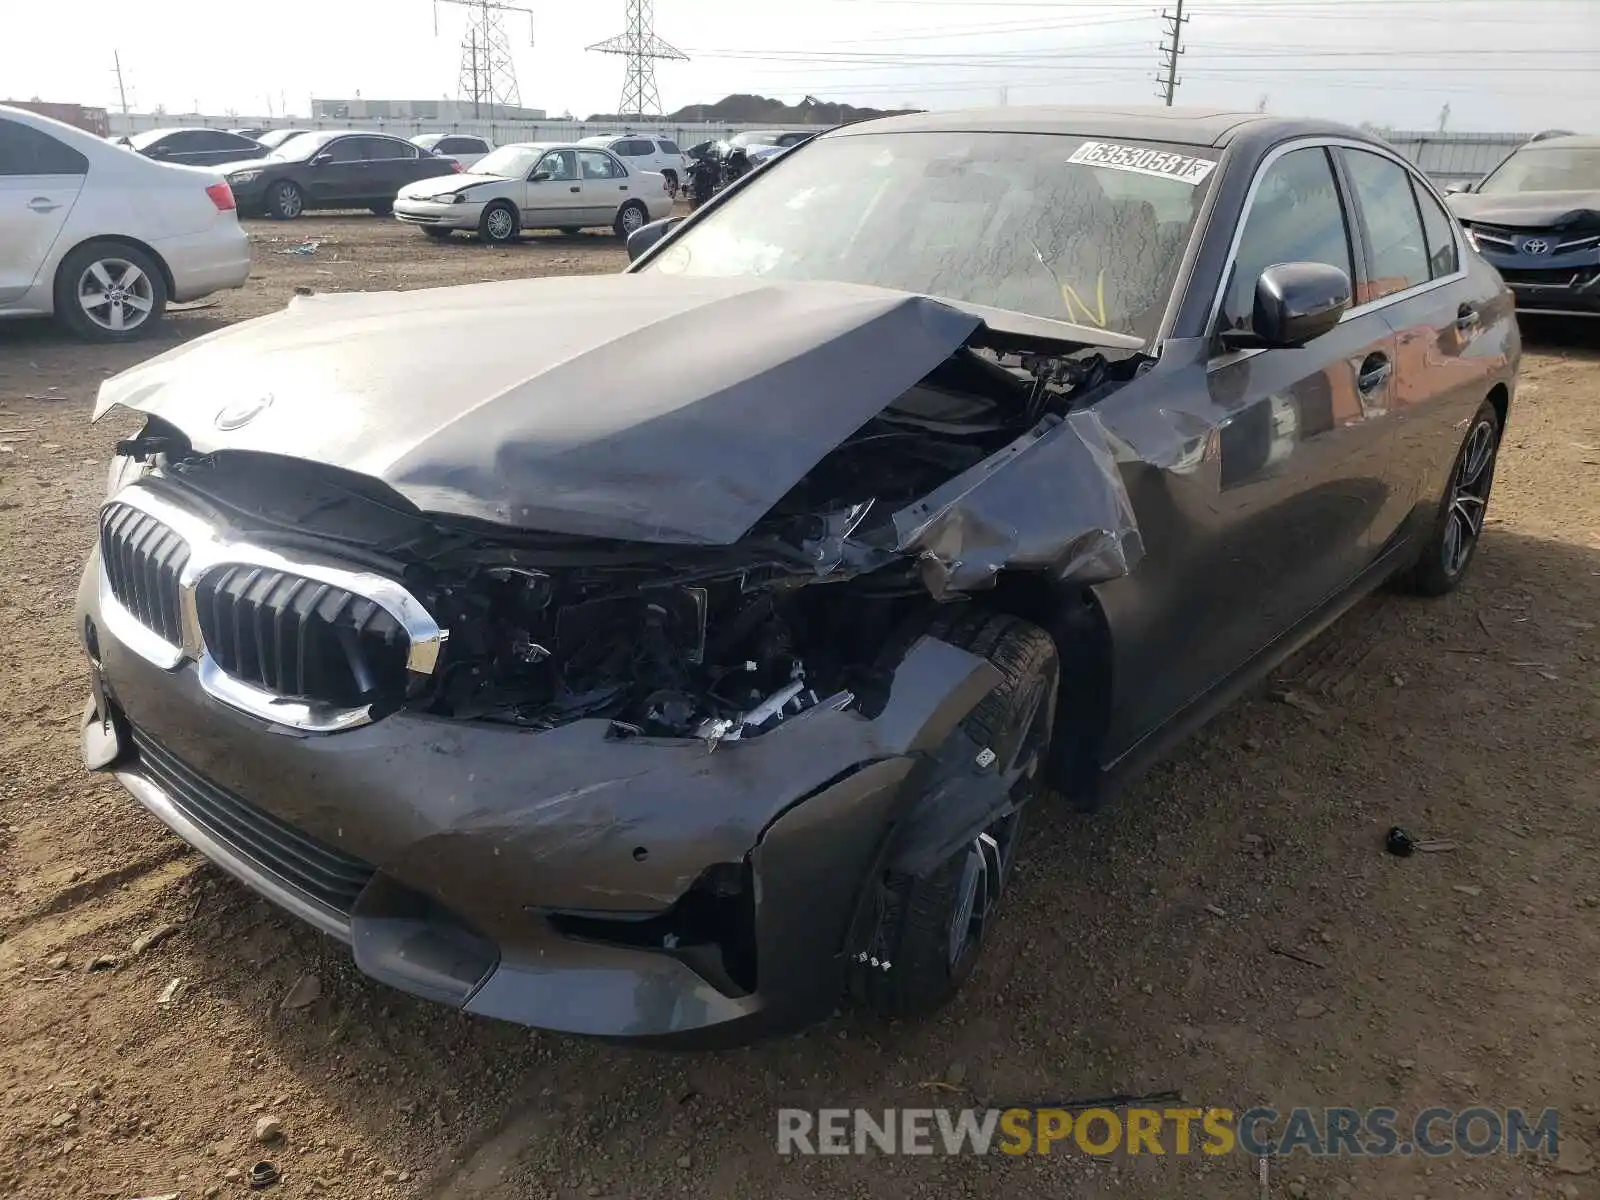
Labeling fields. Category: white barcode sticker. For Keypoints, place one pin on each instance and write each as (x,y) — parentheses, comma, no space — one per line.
(1166,164)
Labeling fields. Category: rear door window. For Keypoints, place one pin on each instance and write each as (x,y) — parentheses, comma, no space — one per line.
(1443,257)
(1398,247)
(669,147)
(595,165)
(26,151)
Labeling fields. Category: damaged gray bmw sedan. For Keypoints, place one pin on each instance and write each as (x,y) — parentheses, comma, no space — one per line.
(688,662)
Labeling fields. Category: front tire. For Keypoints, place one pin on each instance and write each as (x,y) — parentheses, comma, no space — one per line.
(1453,542)
(930,930)
(110,292)
(383,208)
(499,224)
(631,217)
(285,200)
(437,234)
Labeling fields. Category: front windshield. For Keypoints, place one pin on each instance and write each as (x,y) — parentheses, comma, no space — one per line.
(1089,232)
(1546,169)
(303,145)
(509,162)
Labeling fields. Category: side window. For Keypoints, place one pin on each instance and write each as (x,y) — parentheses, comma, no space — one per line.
(1296,216)
(26,151)
(460,145)
(595,165)
(380,148)
(634,148)
(559,165)
(1394,226)
(182,143)
(231,141)
(1439,228)
(344,150)
(669,147)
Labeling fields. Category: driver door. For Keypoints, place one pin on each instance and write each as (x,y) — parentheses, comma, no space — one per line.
(337,171)
(556,200)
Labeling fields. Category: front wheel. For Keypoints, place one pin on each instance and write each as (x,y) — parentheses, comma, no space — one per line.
(436,233)
(382,208)
(499,224)
(631,217)
(1453,541)
(285,200)
(110,292)
(930,929)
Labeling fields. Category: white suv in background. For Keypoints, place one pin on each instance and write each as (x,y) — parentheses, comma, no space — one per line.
(646,153)
(103,237)
(464,148)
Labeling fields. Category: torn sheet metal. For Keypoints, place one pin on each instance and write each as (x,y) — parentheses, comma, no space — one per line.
(1053,500)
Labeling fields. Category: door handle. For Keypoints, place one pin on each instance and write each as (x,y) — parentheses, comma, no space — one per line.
(1466,317)
(574,188)
(1374,371)
(43,204)
(624,187)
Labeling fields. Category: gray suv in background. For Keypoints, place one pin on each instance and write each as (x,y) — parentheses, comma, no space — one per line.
(1536,218)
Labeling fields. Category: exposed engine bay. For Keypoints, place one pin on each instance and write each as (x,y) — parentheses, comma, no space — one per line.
(720,643)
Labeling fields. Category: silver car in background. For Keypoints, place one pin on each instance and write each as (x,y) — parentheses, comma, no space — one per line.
(537,185)
(102,237)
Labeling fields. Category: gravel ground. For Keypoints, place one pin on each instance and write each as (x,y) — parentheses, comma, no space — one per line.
(1136,953)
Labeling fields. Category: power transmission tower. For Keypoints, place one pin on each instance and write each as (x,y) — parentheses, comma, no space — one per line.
(1171,50)
(488,75)
(641,47)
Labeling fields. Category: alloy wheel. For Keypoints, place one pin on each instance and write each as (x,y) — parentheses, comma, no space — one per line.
(632,219)
(116,294)
(500,223)
(1469,497)
(290,203)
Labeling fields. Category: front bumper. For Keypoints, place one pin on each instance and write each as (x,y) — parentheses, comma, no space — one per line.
(439,215)
(545,877)
(1552,285)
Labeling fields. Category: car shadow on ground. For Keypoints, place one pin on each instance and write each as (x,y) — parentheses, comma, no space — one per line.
(1161,943)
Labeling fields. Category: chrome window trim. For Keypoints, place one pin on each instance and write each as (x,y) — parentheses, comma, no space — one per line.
(1321,142)
(210,551)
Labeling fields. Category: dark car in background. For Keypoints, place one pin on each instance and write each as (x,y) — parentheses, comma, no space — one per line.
(976,450)
(332,169)
(193,147)
(1536,218)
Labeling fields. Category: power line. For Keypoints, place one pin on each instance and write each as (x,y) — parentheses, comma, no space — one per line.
(1175,23)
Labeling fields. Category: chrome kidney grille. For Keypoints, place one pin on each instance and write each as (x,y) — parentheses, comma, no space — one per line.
(305,645)
(143,561)
(299,638)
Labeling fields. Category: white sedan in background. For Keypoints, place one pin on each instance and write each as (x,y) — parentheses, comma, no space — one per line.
(102,237)
(464,149)
(537,185)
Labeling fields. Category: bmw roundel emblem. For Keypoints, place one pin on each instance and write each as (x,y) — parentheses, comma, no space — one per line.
(242,412)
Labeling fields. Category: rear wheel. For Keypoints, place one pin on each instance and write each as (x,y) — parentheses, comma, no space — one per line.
(285,200)
(499,223)
(672,183)
(930,929)
(1454,539)
(110,292)
(631,216)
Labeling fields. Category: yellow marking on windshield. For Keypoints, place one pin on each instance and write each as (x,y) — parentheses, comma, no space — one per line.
(1092,316)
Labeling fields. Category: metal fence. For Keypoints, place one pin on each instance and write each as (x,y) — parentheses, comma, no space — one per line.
(1446,157)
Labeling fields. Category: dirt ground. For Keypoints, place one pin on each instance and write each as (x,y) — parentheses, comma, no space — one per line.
(1136,953)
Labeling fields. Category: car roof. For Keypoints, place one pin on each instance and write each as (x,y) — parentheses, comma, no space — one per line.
(1571,141)
(1151,123)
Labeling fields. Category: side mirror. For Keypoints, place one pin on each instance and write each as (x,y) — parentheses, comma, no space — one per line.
(1296,303)
(1299,302)
(646,236)
(318,160)
(540,177)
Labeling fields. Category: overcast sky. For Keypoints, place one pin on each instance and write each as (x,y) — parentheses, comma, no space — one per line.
(1499,65)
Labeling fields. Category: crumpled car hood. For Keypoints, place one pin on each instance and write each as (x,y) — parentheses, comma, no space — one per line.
(618,406)
(1528,210)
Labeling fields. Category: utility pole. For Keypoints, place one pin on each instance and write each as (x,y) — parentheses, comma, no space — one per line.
(1171,50)
(487,74)
(1444,117)
(122,92)
(477,84)
(641,48)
